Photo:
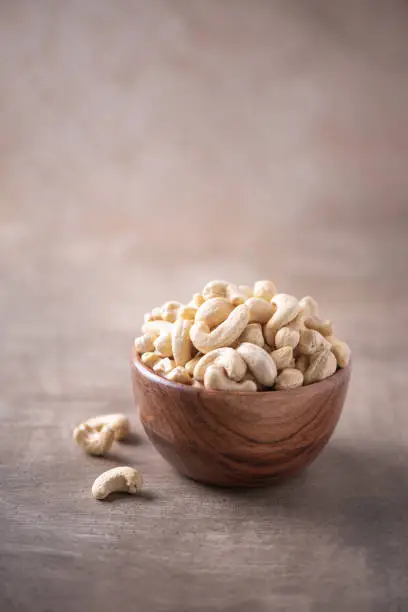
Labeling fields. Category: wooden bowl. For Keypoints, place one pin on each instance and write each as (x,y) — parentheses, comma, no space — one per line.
(237,438)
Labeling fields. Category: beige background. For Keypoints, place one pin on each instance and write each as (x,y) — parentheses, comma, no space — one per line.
(147,147)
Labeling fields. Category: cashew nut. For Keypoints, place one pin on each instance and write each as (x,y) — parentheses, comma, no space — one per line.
(118,422)
(187,312)
(289,378)
(309,306)
(169,311)
(94,441)
(236,295)
(286,337)
(246,289)
(311,342)
(252,333)
(164,366)
(155,328)
(117,480)
(179,375)
(144,343)
(214,311)
(224,335)
(190,365)
(287,308)
(264,289)
(323,327)
(180,341)
(155,315)
(216,378)
(215,288)
(150,359)
(197,300)
(302,363)
(225,357)
(283,357)
(259,310)
(259,362)
(321,366)
(340,350)
(163,344)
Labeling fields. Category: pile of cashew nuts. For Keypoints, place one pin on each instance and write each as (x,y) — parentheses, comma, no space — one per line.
(96,436)
(238,338)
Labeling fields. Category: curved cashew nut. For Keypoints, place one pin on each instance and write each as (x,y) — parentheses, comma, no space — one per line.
(163,344)
(225,357)
(215,378)
(311,342)
(283,357)
(259,362)
(118,422)
(252,333)
(322,365)
(197,300)
(144,344)
(180,341)
(224,335)
(155,328)
(259,310)
(215,288)
(309,306)
(155,315)
(119,479)
(289,378)
(94,441)
(214,311)
(323,327)
(180,375)
(265,289)
(287,337)
(150,359)
(340,350)
(287,308)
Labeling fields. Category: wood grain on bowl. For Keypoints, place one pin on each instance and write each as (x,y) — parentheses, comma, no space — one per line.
(233,438)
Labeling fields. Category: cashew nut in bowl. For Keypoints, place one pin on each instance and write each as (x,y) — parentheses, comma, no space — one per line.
(179,375)
(187,312)
(309,307)
(190,365)
(150,359)
(170,310)
(302,363)
(265,289)
(154,315)
(289,378)
(215,378)
(287,308)
(252,333)
(260,311)
(259,362)
(181,342)
(215,288)
(117,480)
(164,366)
(225,334)
(214,311)
(340,350)
(118,422)
(225,357)
(283,357)
(94,441)
(155,328)
(163,344)
(287,337)
(144,343)
(236,295)
(323,327)
(322,365)
(311,342)
(197,300)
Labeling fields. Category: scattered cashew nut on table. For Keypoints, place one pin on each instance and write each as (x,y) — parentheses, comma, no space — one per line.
(117,480)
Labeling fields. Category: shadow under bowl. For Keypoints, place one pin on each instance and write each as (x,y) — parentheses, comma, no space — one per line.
(230,438)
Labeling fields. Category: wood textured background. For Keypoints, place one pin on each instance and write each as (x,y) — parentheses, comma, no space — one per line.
(147,147)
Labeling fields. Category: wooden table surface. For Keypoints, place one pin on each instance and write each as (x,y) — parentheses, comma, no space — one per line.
(147,147)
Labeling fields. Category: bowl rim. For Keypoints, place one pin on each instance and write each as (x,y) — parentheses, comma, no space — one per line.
(136,362)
